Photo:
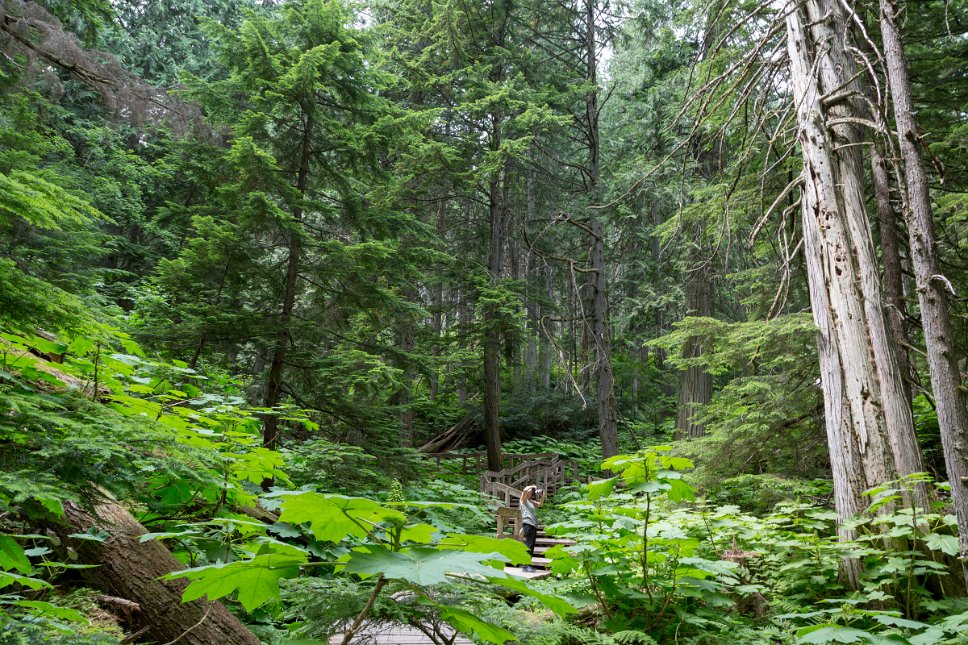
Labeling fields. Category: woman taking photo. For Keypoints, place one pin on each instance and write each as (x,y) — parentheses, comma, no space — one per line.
(529,518)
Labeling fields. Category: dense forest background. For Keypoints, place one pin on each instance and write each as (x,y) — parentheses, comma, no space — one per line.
(258,259)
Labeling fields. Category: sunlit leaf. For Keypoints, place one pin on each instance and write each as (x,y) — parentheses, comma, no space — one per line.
(421,565)
(255,580)
(334,517)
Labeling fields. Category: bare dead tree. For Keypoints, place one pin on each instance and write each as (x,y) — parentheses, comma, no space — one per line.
(29,31)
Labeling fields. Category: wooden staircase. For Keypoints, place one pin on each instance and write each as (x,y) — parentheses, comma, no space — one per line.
(549,471)
(540,564)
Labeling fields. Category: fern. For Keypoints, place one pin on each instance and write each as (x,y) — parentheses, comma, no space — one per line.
(579,635)
(633,637)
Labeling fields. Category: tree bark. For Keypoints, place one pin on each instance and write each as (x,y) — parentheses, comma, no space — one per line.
(130,569)
(891,262)
(695,383)
(492,338)
(869,428)
(278,359)
(437,322)
(660,313)
(604,379)
(946,381)
(545,350)
(463,322)
(498,204)
(401,398)
(512,348)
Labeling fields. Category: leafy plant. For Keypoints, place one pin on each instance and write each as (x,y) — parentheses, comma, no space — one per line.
(382,546)
(638,565)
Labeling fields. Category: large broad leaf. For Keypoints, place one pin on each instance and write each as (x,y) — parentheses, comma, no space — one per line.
(421,565)
(466,622)
(680,491)
(514,551)
(8,578)
(256,580)
(49,610)
(599,488)
(678,463)
(555,603)
(425,504)
(945,543)
(167,535)
(617,463)
(421,533)
(258,464)
(334,517)
(896,621)
(561,559)
(12,555)
(649,487)
(928,637)
(833,633)
(715,567)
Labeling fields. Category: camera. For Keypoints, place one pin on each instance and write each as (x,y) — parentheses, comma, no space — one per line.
(539,492)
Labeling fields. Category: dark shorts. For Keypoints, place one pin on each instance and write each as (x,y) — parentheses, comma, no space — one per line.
(530,534)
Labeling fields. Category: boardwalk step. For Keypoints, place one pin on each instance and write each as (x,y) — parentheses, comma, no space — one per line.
(519,572)
(550,540)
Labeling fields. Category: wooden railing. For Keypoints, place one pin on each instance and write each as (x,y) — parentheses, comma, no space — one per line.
(477,459)
(549,472)
(508,484)
(502,492)
(544,470)
(509,522)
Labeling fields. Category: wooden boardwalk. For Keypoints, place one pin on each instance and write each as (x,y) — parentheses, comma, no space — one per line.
(394,635)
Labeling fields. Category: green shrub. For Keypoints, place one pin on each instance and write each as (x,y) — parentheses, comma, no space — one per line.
(14,632)
(330,466)
(474,512)
(758,494)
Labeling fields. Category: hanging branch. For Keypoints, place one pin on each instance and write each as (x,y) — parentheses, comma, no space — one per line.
(35,33)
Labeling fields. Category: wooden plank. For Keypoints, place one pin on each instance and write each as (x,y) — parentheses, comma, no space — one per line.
(549,541)
(518,572)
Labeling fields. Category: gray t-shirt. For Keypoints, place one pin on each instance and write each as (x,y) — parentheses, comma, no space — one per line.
(529,513)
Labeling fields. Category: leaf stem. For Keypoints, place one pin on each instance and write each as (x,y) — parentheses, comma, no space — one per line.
(355,627)
(645,547)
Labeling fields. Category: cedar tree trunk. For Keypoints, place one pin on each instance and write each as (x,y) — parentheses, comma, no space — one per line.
(946,381)
(869,428)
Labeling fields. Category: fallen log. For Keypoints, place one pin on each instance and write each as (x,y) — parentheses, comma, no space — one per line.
(453,438)
(129,569)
